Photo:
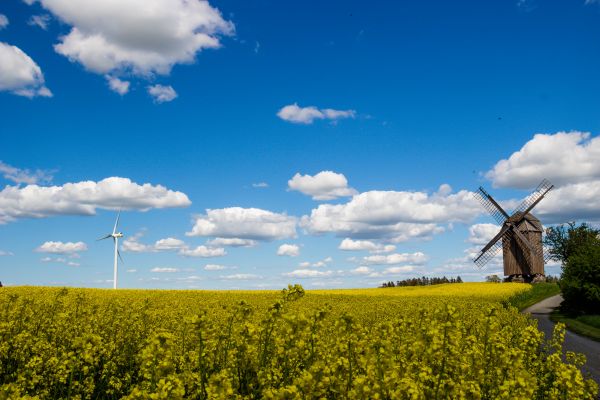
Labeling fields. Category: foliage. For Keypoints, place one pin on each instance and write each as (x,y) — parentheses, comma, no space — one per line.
(423,281)
(432,342)
(564,241)
(538,292)
(585,325)
(580,281)
(493,279)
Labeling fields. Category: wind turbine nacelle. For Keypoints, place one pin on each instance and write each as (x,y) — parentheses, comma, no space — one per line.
(118,235)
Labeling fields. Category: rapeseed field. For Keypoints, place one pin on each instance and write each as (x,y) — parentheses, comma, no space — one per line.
(459,341)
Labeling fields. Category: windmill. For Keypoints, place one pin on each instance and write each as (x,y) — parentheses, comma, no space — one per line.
(520,237)
(115,235)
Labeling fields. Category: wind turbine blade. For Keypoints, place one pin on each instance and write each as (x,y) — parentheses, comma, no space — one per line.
(105,237)
(119,254)
(117,222)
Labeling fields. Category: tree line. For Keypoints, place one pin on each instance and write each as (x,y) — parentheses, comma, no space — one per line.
(422,281)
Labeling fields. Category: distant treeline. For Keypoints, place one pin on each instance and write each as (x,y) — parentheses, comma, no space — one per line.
(423,281)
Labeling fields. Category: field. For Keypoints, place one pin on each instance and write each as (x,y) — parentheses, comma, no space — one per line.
(445,341)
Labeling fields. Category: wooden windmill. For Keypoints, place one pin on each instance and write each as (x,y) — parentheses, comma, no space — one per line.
(520,237)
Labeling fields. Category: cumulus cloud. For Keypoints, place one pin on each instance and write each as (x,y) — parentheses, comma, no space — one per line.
(161,93)
(563,158)
(83,198)
(326,185)
(244,223)
(164,270)
(569,160)
(139,37)
(60,260)
(132,244)
(481,234)
(308,273)
(359,245)
(318,264)
(395,216)
(214,267)
(40,21)
(117,85)
(290,250)
(19,74)
(5,253)
(18,175)
(203,251)
(231,242)
(3,21)
(417,258)
(241,277)
(61,247)
(306,115)
(362,270)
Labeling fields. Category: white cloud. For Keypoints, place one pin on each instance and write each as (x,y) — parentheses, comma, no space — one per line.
(306,115)
(396,258)
(481,234)
(231,242)
(60,260)
(358,245)
(117,85)
(169,244)
(214,267)
(290,250)
(131,270)
(3,21)
(161,93)
(394,216)
(164,270)
(83,198)
(569,160)
(19,74)
(362,270)
(563,158)
(308,273)
(241,277)
(5,253)
(18,175)
(61,247)
(132,244)
(260,185)
(326,185)
(139,37)
(318,264)
(203,251)
(244,223)
(41,21)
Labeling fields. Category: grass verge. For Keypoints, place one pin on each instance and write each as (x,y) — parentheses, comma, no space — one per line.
(538,292)
(585,325)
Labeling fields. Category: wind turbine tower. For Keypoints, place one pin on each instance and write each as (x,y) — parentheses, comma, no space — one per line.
(115,236)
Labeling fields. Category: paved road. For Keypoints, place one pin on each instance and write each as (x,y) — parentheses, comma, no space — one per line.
(573,341)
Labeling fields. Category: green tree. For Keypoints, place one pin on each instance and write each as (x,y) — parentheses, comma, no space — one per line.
(578,250)
(563,241)
(493,279)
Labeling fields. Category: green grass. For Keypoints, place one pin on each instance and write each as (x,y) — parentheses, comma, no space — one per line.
(538,292)
(586,325)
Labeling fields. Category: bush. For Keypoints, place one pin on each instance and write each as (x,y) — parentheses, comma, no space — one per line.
(580,283)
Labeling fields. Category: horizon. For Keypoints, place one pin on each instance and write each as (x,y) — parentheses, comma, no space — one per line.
(332,145)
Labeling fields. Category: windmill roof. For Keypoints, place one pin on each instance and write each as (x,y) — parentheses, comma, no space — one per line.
(530,223)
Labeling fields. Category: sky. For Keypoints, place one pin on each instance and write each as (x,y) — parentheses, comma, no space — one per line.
(254,144)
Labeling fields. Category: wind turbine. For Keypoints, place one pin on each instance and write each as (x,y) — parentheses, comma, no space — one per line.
(115,235)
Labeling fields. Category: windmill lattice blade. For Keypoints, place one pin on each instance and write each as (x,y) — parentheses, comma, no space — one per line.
(491,206)
(105,237)
(117,222)
(542,188)
(483,258)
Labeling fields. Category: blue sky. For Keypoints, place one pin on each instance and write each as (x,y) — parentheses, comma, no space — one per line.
(176,109)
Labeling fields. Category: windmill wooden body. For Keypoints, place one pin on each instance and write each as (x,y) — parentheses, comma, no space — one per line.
(520,237)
